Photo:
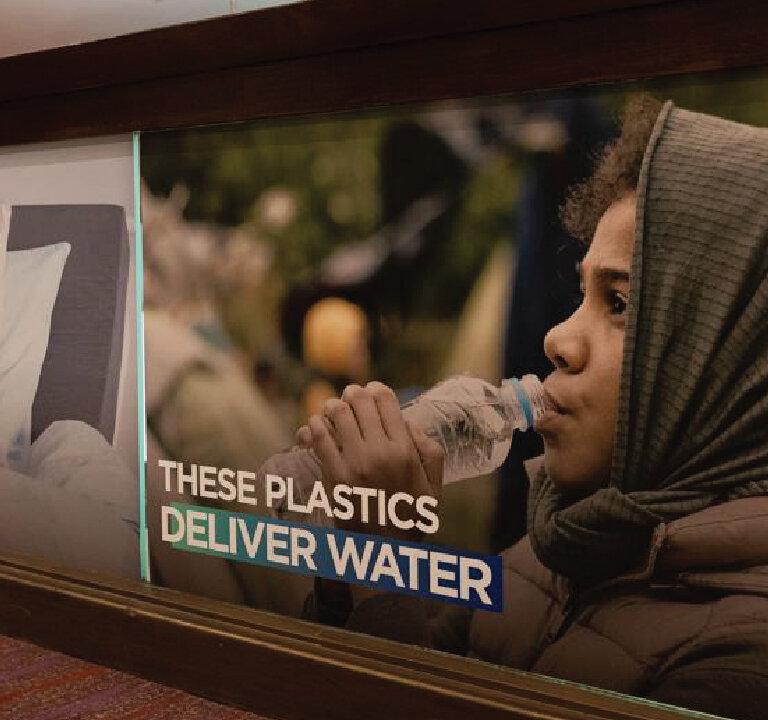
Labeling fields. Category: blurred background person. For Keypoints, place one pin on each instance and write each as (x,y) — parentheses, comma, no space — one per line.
(555,142)
(202,405)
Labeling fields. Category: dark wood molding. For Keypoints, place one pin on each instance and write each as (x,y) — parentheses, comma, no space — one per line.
(621,41)
(281,33)
(279,667)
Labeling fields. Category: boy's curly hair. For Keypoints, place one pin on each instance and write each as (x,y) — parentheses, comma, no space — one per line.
(617,170)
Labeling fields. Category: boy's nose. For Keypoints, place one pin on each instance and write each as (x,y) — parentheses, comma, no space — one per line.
(565,346)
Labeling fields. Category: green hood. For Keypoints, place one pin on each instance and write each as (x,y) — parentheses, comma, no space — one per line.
(693,410)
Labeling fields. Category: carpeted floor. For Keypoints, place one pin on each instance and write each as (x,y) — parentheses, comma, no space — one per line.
(38,684)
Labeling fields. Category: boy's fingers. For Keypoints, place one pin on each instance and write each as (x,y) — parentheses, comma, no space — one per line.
(430,453)
(366,412)
(392,420)
(326,449)
(345,427)
(304,437)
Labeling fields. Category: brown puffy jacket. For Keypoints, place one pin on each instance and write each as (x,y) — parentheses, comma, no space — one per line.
(689,629)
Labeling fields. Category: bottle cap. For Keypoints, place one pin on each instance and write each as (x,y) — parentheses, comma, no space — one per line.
(531,397)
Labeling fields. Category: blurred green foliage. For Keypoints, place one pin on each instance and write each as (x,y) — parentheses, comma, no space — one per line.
(486,217)
(328,167)
(330,170)
(741,96)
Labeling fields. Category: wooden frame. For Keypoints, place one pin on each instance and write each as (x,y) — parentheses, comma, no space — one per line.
(333,55)
(280,667)
(318,57)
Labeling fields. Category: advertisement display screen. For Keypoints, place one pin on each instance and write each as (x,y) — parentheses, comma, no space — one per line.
(68,433)
(486,376)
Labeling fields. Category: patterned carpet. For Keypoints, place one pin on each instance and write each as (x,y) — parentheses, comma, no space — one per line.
(37,684)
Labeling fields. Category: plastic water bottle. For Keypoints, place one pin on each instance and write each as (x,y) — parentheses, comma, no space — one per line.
(474,420)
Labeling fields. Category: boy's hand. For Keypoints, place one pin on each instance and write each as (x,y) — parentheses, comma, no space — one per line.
(363,440)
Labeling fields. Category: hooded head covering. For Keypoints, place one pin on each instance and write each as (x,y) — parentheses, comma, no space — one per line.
(692,427)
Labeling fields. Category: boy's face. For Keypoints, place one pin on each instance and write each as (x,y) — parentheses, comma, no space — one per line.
(586,350)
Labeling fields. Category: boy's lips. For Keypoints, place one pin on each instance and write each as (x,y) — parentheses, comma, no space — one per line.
(556,402)
(550,420)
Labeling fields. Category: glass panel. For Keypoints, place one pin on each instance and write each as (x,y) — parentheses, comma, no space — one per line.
(307,278)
